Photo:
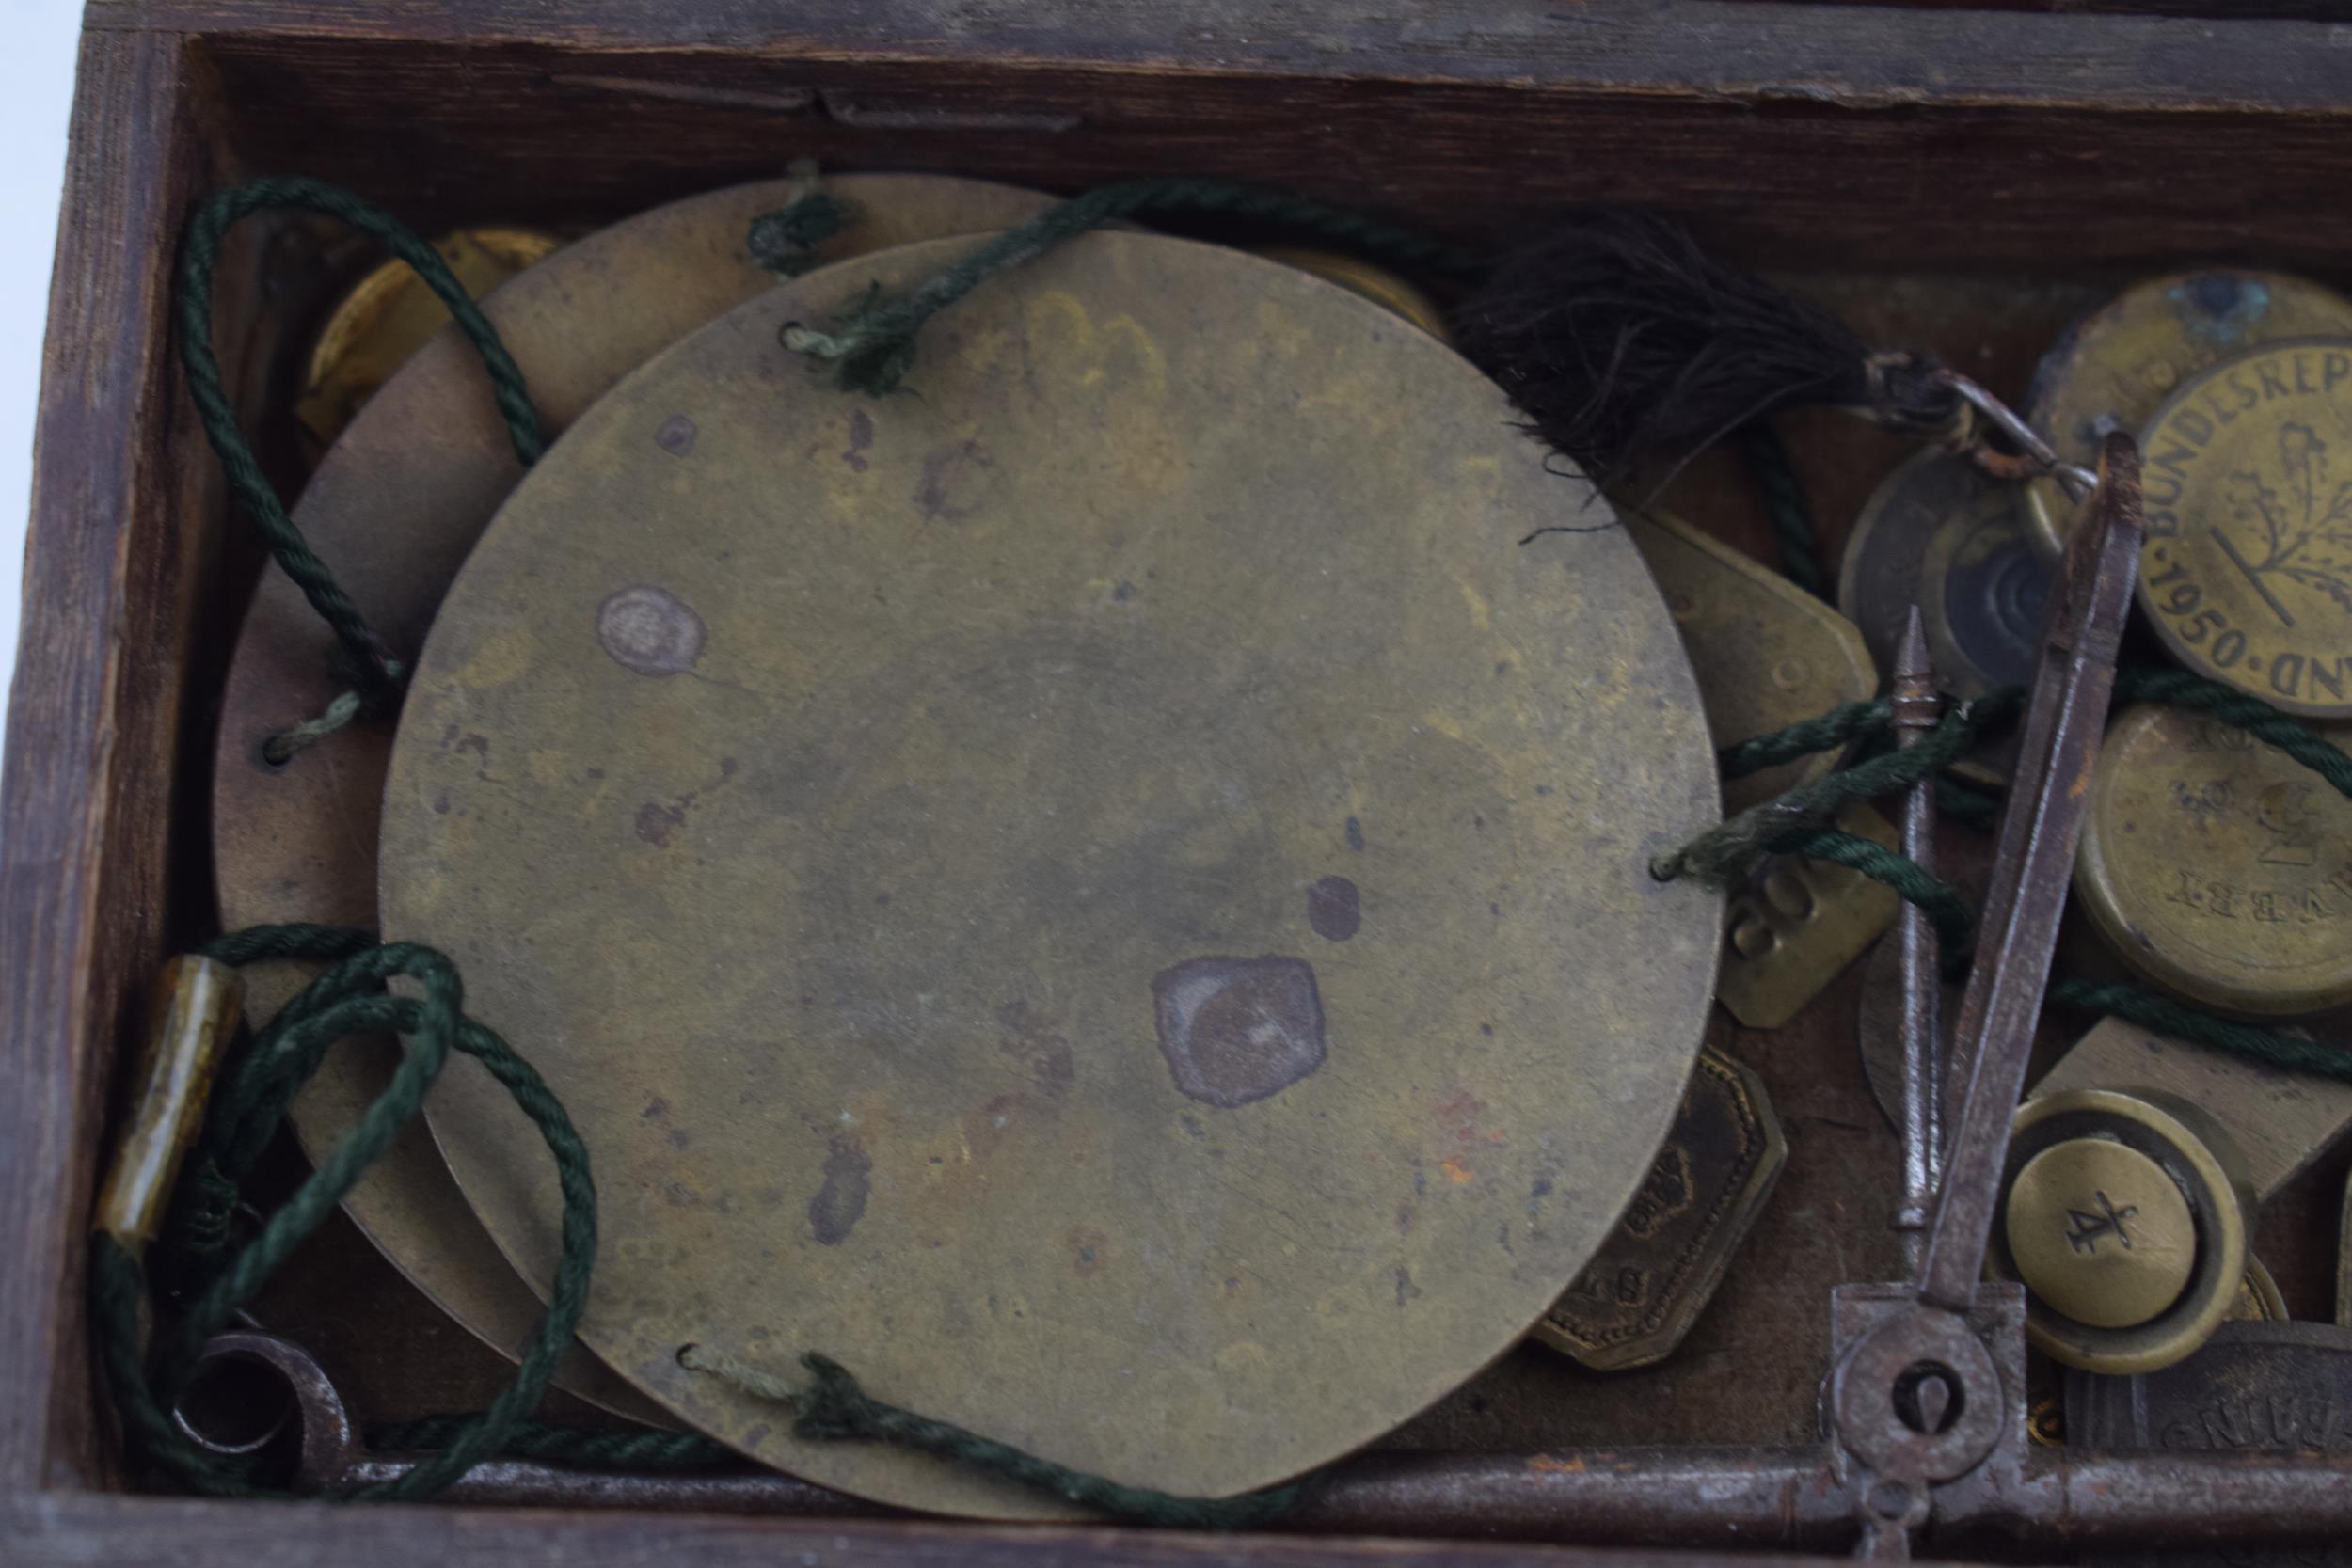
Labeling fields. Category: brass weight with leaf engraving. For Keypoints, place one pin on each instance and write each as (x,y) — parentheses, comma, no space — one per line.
(1108,891)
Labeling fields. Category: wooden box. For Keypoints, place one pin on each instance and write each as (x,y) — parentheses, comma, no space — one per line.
(1958,177)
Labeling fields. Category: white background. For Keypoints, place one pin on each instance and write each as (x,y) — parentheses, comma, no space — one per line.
(36,89)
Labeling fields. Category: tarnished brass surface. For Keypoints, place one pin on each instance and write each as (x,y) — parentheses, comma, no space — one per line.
(1377,284)
(2073,1237)
(1797,927)
(2218,867)
(395,506)
(2277,1124)
(2100,1233)
(2258,1298)
(1107,891)
(190,1017)
(389,315)
(2115,366)
(1659,1268)
(2247,573)
(1767,652)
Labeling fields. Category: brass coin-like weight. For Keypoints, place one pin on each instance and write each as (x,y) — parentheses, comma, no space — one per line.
(2100,1232)
(2246,572)
(1377,284)
(393,509)
(2114,368)
(1767,652)
(1659,1269)
(1797,924)
(1942,533)
(1109,891)
(389,315)
(2218,867)
(2125,1226)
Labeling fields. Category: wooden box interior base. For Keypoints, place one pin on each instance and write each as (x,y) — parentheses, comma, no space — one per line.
(1952,179)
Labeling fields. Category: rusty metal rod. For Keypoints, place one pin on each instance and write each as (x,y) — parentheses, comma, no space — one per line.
(1917,707)
(2033,859)
(1755,1498)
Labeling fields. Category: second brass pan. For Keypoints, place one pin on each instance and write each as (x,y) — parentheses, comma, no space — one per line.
(393,508)
(1109,890)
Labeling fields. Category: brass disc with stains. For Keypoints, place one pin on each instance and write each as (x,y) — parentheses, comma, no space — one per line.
(393,509)
(1107,891)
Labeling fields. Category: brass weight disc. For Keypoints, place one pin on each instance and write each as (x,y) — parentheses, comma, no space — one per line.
(393,509)
(1107,891)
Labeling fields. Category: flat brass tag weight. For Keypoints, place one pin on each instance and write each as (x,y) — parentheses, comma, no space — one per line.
(1655,1274)
(2115,366)
(393,509)
(1797,925)
(1767,652)
(1110,894)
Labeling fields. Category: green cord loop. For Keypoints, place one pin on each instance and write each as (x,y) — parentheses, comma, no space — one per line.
(199,250)
(349,999)
(868,347)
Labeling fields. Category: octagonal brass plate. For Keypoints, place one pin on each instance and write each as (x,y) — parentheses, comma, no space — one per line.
(393,509)
(1107,891)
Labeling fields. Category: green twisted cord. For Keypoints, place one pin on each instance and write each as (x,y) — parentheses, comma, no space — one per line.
(1785,506)
(552,1443)
(378,671)
(349,999)
(871,346)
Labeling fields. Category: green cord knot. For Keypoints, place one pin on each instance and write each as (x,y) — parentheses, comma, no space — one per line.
(869,349)
(832,1406)
(785,242)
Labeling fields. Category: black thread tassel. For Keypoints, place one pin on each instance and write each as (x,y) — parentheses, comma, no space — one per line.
(1622,341)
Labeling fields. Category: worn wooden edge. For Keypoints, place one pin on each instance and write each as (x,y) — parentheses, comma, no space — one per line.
(114,572)
(73,1531)
(1741,50)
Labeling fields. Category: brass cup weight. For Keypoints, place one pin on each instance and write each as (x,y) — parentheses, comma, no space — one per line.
(2116,365)
(1943,534)
(1111,893)
(393,509)
(2217,867)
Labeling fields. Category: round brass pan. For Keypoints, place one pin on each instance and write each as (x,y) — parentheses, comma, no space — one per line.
(394,508)
(1107,890)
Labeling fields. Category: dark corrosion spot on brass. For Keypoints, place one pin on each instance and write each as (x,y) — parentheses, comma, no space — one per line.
(1334,908)
(1236,1030)
(676,435)
(650,630)
(946,491)
(1089,1250)
(833,1213)
(657,822)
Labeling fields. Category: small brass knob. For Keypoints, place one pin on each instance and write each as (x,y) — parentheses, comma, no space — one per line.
(2101,1233)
